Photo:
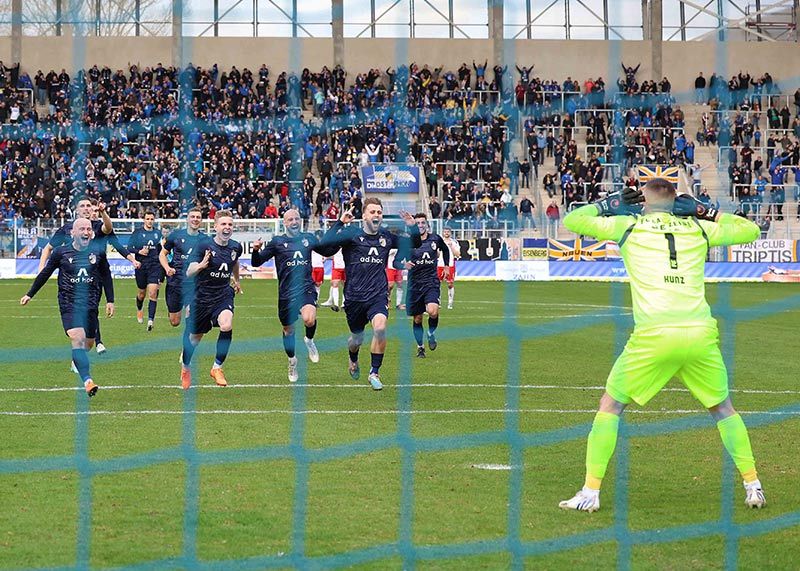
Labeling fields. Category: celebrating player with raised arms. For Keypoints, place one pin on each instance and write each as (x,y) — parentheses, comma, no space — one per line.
(424,287)
(664,251)
(181,244)
(145,242)
(215,267)
(103,231)
(366,251)
(81,275)
(296,291)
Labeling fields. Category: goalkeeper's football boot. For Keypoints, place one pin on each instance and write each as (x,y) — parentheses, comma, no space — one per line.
(375,382)
(219,377)
(91,388)
(586,500)
(755,495)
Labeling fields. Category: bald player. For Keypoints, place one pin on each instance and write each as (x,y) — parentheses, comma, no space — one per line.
(664,251)
(297,294)
(82,272)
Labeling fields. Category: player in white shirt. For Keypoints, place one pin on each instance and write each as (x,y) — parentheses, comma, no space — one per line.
(337,278)
(455,253)
(395,276)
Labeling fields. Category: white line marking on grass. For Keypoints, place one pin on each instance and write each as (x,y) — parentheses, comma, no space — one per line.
(371,412)
(492,466)
(363,386)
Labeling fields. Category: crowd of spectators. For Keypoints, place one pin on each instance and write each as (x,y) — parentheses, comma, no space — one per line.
(239,139)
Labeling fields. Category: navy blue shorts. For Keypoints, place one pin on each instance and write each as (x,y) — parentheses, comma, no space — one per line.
(148,274)
(359,313)
(419,299)
(289,309)
(204,315)
(175,301)
(74,317)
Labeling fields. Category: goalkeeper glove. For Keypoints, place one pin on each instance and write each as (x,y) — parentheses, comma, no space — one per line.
(688,205)
(629,201)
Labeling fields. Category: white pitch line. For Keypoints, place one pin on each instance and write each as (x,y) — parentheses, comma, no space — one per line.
(388,386)
(369,412)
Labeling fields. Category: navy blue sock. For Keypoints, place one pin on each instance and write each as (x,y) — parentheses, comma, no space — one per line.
(288,344)
(377,361)
(81,360)
(188,348)
(311,330)
(353,356)
(151,310)
(433,323)
(223,345)
(139,304)
(418,333)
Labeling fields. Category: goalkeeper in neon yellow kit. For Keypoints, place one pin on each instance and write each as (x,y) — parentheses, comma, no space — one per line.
(664,250)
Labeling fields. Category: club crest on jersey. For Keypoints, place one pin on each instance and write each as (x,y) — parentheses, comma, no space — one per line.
(305,243)
(382,242)
(233,256)
(433,246)
(92,259)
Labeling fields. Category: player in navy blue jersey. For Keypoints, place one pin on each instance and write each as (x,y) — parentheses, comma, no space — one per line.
(145,242)
(181,244)
(297,294)
(103,234)
(366,252)
(215,268)
(81,275)
(424,286)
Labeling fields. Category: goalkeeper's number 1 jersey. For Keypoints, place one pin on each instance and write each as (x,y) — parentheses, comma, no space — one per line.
(665,259)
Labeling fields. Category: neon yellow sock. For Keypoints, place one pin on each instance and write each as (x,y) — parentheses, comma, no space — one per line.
(600,447)
(737,443)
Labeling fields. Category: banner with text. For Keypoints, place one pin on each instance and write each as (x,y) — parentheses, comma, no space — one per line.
(764,251)
(582,250)
(391,178)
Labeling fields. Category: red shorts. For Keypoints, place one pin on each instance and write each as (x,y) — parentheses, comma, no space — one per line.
(440,273)
(337,274)
(394,276)
(318,275)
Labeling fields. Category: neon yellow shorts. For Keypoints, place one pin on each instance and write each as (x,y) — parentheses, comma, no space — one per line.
(654,356)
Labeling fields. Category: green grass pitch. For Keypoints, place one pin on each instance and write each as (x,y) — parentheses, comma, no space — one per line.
(483,378)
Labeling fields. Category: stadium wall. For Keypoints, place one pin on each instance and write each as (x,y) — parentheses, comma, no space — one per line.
(553,58)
